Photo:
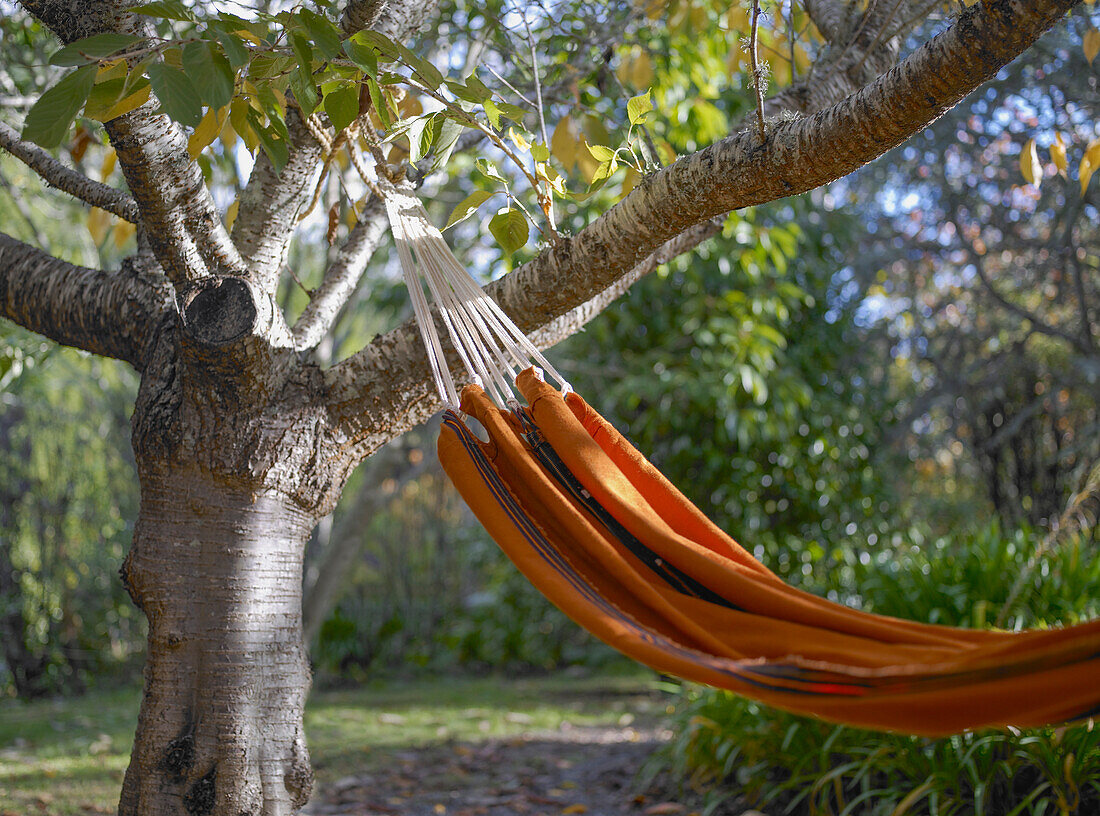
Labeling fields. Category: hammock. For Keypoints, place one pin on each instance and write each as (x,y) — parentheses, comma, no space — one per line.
(608,539)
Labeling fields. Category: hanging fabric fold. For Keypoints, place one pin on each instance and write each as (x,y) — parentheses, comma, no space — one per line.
(609,540)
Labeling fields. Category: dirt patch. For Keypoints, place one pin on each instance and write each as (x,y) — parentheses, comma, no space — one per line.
(575,770)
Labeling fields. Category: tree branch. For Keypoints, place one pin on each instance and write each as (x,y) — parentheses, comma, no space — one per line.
(68,180)
(112,314)
(342,277)
(385,388)
(865,48)
(271,201)
(184,228)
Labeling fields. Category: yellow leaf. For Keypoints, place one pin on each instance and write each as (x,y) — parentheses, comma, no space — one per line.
(116,69)
(1089,162)
(653,8)
(565,142)
(122,233)
(1091,44)
(518,139)
(1058,153)
(231,214)
(99,221)
(1093,152)
(635,68)
(228,135)
(108,166)
(630,180)
(245,34)
(577,808)
(1029,163)
(124,105)
(206,131)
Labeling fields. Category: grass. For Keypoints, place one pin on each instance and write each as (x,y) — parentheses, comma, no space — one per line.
(67,757)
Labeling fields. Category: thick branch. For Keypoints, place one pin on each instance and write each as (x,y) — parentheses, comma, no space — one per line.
(384,389)
(68,180)
(342,277)
(271,202)
(112,314)
(863,48)
(184,228)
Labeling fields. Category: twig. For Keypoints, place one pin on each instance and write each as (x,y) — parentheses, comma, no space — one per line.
(546,200)
(509,85)
(757,73)
(68,180)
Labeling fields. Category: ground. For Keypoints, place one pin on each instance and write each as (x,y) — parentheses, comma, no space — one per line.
(562,744)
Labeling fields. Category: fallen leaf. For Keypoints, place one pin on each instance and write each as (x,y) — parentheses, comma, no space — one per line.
(577,808)
(665,809)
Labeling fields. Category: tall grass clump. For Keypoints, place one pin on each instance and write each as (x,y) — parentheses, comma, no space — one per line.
(738,752)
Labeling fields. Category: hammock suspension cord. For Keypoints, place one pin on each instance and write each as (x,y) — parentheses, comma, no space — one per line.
(492,348)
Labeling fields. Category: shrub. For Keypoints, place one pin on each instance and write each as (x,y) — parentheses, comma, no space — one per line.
(726,746)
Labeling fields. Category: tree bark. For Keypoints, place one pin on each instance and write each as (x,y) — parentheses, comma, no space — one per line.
(217,570)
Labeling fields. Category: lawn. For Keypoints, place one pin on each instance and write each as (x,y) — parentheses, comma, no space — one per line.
(66,757)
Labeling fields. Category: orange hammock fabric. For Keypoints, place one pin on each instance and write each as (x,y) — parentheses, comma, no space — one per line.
(598,530)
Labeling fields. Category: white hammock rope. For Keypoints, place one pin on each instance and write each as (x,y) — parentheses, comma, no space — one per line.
(491,347)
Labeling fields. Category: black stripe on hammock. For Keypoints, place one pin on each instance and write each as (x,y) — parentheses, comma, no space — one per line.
(676,578)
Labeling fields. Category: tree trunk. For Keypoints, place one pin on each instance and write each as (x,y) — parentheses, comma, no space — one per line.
(216,568)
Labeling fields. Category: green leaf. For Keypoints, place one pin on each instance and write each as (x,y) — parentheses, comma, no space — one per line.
(395,51)
(103,97)
(48,121)
(600,153)
(326,36)
(177,94)
(468,206)
(379,103)
(341,103)
(493,112)
(468,93)
(92,49)
(513,112)
(420,138)
(210,72)
(303,51)
(235,49)
(489,170)
(274,146)
(509,227)
(165,10)
(478,87)
(539,152)
(447,133)
(426,72)
(378,42)
(362,55)
(305,92)
(639,107)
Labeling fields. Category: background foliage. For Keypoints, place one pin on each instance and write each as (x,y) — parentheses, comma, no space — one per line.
(887,389)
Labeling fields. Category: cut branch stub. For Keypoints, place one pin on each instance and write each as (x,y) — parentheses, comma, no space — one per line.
(217,311)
